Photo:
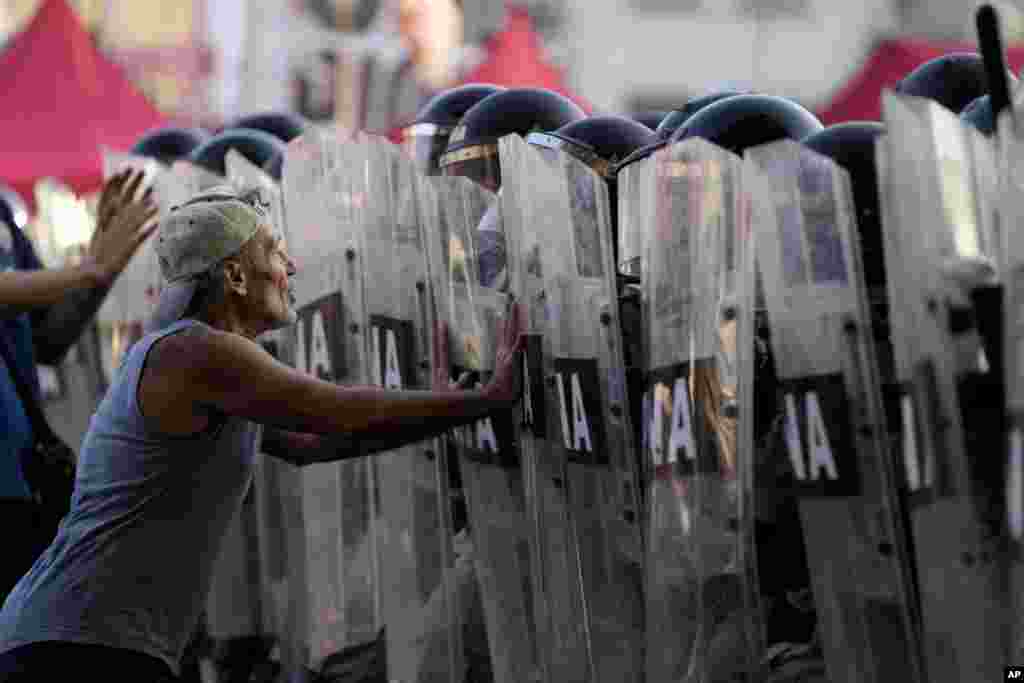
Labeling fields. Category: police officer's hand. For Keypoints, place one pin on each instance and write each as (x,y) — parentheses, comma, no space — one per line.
(506,384)
(124,221)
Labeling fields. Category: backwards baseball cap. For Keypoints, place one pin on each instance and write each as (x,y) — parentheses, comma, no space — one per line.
(197,235)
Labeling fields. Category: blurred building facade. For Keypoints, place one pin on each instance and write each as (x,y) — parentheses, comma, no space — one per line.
(654,54)
(369,63)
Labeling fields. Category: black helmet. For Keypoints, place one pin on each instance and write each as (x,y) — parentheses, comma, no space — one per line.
(737,123)
(473,146)
(169,144)
(598,141)
(980,115)
(852,146)
(282,125)
(677,118)
(258,147)
(651,119)
(427,138)
(13,209)
(953,80)
(671,123)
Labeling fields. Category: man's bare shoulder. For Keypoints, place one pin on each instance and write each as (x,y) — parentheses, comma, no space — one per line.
(167,390)
(188,347)
(222,369)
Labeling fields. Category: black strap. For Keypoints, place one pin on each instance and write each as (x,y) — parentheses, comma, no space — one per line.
(41,429)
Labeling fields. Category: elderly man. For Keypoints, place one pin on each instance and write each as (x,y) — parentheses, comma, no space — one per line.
(169,454)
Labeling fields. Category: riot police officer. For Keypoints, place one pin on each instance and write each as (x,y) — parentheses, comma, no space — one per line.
(259,147)
(168,144)
(426,139)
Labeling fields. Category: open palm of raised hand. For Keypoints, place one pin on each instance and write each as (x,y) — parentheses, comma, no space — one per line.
(124,222)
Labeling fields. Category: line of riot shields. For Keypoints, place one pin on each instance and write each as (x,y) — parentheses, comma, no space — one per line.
(760,477)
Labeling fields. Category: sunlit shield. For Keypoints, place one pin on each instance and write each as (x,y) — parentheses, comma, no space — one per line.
(582,478)
(833,421)
(333,575)
(940,252)
(468,299)
(246,176)
(702,619)
(414,529)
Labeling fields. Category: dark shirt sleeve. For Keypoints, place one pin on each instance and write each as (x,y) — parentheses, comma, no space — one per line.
(56,328)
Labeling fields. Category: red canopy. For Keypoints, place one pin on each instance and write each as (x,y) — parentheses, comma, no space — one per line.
(64,100)
(861,98)
(515,59)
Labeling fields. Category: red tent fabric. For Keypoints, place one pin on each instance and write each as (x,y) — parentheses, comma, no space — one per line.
(64,100)
(515,59)
(860,99)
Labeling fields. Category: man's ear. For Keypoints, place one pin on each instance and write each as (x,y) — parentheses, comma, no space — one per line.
(234,277)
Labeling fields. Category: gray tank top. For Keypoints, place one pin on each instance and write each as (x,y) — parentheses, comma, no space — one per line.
(132,562)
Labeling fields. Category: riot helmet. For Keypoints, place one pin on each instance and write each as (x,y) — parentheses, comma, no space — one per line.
(427,138)
(671,123)
(258,147)
(980,115)
(168,144)
(600,142)
(953,80)
(650,119)
(13,209)
(473,146)
(744,121)
(677,118)
(282,125)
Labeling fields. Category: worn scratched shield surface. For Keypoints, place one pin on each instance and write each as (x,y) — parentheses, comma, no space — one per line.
(244,175)
(132,296)
(701,616)
(333,575)
(1010,209)
(634,217)
(576,440)
(378,203)
(841,470)
(488,452)
(940,251)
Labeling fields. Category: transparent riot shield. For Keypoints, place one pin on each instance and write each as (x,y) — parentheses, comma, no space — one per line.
(274,487)
(701,620)
(489,451)
(576,440)
(939,253)
(834,430)
(634,216)
(244,175)
(414,531)
(133,295)
(1011,211)
(333,575)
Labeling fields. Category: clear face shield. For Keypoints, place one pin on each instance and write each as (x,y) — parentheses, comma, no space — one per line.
(479,163)
(425,144)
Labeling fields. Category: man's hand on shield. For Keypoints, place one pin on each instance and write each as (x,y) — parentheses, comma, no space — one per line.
(506,384)
(124,221)
(441,379)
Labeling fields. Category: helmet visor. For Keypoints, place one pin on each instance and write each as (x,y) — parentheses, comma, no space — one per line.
(425,143)
(478,163)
